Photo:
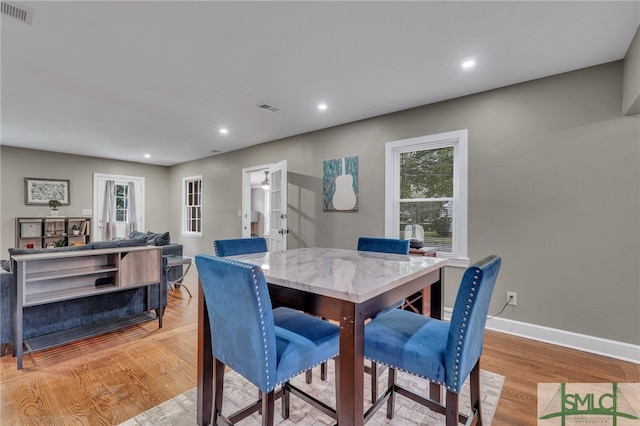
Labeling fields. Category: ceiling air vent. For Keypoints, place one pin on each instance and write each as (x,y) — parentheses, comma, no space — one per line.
(268,107)
(16,11)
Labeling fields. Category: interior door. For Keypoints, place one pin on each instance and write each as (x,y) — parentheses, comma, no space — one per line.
(278,204)
(120,182)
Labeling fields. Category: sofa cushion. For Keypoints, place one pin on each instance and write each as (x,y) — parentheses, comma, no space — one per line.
(137,234)
(153,238)
(159,239)
(117,243)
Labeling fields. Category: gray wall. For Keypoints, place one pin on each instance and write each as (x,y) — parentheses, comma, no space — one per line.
(554,187)
(17,163)
(631,78)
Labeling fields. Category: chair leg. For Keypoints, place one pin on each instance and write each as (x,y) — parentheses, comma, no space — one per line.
(392,398)
(268,408)
(336,368)
(451,409)
(286,398)
(309,376)
(323,368)
(217,392)
(474,390)
(374,381)
(435,392)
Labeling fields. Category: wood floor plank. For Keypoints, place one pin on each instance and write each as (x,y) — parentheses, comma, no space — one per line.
(108,379)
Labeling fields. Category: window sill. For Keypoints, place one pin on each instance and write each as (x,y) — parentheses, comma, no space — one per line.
(190,234)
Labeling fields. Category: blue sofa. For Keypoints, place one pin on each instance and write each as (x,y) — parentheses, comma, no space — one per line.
(6,303)
(52,317)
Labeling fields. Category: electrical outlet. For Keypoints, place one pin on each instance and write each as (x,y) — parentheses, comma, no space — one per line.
(512,297)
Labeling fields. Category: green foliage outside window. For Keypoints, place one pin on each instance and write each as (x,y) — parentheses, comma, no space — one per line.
(427,173)
(426,191)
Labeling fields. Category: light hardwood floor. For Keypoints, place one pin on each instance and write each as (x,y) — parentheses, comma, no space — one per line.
(109,379)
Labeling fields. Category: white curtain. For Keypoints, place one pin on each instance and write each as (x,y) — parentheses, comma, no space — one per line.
(132,222)
(109,211)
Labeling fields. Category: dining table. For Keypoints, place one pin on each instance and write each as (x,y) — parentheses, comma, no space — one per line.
(346,286)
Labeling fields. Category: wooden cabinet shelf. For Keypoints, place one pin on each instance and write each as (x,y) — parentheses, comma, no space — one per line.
(42,278)
(41,232)
(73,272)
(63,294)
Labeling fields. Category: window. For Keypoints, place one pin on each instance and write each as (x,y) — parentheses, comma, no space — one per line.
(426,184)
(192,202)
(122,199)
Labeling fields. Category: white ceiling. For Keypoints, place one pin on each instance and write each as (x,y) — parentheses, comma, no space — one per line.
(121,79)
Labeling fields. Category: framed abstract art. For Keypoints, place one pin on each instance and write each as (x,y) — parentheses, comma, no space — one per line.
(340,184)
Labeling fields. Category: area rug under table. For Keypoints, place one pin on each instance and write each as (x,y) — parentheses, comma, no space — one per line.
(238,393)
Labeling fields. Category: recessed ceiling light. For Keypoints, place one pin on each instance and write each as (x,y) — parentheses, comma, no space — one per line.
(322,106)
(223,131)
(147,156)
(468,64)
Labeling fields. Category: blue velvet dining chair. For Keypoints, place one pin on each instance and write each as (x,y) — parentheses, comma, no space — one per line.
(381,245)
(237,246)
(444,353)
(266,346)
(384,245)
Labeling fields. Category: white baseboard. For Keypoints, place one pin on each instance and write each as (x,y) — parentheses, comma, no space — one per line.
(582,342)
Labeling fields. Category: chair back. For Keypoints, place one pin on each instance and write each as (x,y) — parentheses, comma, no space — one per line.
(234,247)
(466,329)
(242,325)
(383,245)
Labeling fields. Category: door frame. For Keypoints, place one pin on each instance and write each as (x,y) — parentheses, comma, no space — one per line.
(139,181)
(246,197)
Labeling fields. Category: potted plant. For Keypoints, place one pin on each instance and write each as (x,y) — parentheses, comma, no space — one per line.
(54,204)
(76,229)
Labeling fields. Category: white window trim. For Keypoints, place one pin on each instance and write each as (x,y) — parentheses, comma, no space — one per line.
(458,140)
(185,232)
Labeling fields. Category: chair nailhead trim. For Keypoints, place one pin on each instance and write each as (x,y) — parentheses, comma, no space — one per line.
(463,326)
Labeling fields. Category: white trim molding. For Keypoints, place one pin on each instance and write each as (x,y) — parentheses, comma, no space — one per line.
(568,339)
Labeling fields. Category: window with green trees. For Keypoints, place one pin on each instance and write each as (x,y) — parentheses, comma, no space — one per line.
(426,195)
(122,199)
(426,185)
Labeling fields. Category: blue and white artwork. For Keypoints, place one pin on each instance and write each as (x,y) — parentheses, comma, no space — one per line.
(340,184)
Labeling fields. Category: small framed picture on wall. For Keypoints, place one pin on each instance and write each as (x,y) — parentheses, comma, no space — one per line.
(39,191)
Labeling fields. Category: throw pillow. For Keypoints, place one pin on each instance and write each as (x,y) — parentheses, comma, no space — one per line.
(160,239)
(135,234)
(6,265)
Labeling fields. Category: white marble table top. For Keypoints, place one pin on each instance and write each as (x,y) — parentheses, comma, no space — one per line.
(351,275)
